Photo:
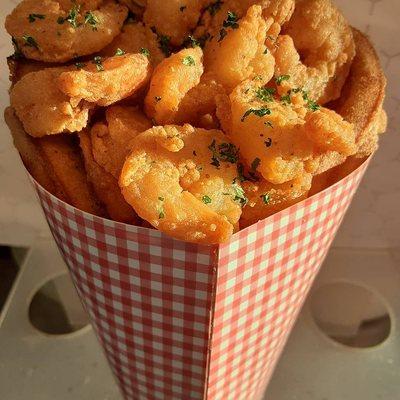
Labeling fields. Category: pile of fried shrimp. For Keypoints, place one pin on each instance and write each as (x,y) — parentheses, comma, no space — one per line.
(195,117)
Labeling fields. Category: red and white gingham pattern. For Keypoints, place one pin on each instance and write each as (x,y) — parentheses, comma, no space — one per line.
(183,321)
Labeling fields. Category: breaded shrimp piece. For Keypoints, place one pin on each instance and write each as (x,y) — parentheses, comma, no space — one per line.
(284,138)
(106,82)
(182,181)
(174,18)
(135,38)
(111,140)
(265,199)
(106,186)
(43,109)
(171,81)
(318,53)
(238,52)
(44,31)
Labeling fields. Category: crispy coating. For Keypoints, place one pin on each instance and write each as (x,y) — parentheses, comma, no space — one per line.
(284,139)
(318,51)
(43,109)
(265,199)
(241,53)
(174,18)
(111,140)
(106,186)
(108,81)
(55,163)
(171,81)
(363,97)
(133,38)
(136,7)
(51,40)
(170,181)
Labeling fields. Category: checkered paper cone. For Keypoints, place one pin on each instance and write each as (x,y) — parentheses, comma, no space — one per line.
(182,321)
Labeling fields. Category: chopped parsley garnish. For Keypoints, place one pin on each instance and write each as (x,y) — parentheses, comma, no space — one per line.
(313,105)
(281,78)
(188,61)
(265,94)
(286,99)
(268,142)
(215,161)
(255,164)
(206,199)
(34,17)
(265,198)
(80,65)
(261,112)
(92,20)
(163,42)
(240,195)
(97,61)
(191,41)
(30,41)
(72,17)
(225,152)
(310,103)
(120,52)
(252,177)
(230,22)
(182,8)
(214,7)
(145,52)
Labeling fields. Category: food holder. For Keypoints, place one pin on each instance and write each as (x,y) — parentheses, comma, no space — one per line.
(185,321)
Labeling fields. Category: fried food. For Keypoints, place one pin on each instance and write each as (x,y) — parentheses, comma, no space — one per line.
(55,163)
(183,181)
(135,38)
(173,19)
(239,52)
(171,81)
(45,31)
(284,138)
(363,95)
(317,50)
(111,140)
(43,109)
(106,82)
(265,199)
(105,186)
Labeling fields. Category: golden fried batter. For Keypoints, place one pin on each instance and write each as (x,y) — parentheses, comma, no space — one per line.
(183,181)
(45,31)
(43,109)
(111,141)
(106,82)
(171,81)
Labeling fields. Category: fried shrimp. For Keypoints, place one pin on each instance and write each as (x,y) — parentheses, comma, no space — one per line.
(316,50)
(182,180)
(135,38)
(173,19)
(285,137)
(43,109)
(363,95)
(110,141)
(238,52)
(106,82)
(45,31)
(106,186)
(171,81)
(265,199)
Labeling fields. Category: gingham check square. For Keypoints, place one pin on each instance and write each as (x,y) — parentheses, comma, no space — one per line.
(183,321)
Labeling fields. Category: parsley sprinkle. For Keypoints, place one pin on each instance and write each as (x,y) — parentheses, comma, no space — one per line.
(228,152)
(71,17)
(163,42)
(282,78)
(30,41)
(214,7)
(120,52)
(239,194)
(260,112)
(255,164)
(188,61)
(97,61)
(268,142)
(231,21)
(206,200)
(145,52)
(182,8)
(265,94)
(80,65)
(313,105)
(215,162)
(265,198)
(34,17)
(191,41)
(286,99)
(92,20)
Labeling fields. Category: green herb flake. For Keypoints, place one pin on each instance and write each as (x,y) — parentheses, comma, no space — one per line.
(164,42)
(206,200)
(313,105)
(145,52)
(281,78)
(265,198)
(30,41)
(98,62)
(188,61)
(261,112)
(92,20)
(214,158)
(231,21)
(191,41)
(119,52)
(286,99)
(265,94)
(239,194)
(72,16)
(33,17)
(80,65)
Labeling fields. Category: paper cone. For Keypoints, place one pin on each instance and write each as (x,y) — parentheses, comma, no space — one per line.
(185,321)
